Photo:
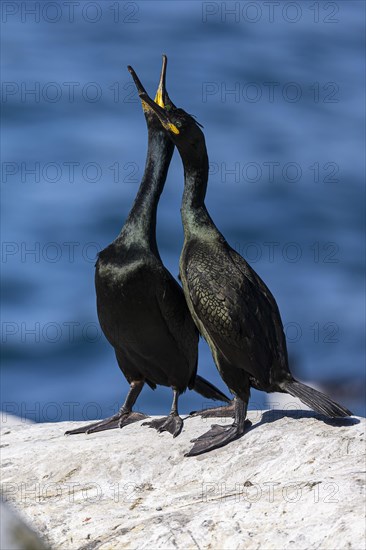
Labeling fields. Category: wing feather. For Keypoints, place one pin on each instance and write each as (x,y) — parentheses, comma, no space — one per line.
(236,309)
(179,323)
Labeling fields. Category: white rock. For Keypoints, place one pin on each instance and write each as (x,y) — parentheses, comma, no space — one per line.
(290,482)
(10,420)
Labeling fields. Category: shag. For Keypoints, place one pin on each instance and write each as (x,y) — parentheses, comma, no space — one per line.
(141,307)
(230,304)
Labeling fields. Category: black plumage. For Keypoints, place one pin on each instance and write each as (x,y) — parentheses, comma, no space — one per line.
(141,307)
(230,304)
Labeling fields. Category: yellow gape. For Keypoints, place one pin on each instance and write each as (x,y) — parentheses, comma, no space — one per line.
(146,107)
(171,127)
(160,101)
(159,98)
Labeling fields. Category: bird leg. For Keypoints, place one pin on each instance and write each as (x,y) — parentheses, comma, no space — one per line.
(219,436)
(124,416)
(172,423)
(222,412)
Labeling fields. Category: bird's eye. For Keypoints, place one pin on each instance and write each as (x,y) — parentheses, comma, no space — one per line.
(178,124)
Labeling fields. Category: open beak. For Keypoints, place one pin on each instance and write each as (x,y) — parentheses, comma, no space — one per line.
(140,89)
(157,106)
(161,91)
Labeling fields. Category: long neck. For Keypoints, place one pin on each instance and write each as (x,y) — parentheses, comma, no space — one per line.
(195,217)
(140,226)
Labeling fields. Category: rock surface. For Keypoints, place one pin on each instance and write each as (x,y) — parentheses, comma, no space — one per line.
(293,481)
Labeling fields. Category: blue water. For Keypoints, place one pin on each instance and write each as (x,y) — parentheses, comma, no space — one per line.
(281,98)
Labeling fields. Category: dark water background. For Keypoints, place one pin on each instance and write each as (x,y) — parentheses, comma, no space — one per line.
(296,77)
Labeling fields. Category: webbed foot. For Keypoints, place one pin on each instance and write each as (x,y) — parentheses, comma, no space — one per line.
(217,437)
(218,412)
(118,420)
(172,424)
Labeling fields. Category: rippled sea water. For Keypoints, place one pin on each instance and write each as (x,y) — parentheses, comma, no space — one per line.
(280,93)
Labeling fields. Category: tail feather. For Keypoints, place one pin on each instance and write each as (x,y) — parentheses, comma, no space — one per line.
(314,399)
(208,390)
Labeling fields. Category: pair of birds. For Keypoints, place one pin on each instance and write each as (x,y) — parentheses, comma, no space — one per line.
(154,326)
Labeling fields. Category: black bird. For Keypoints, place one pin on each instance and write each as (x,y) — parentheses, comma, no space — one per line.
(141,307)
(230,304)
